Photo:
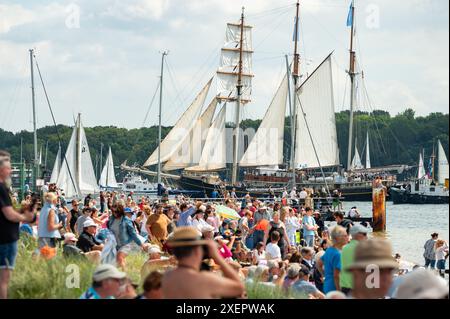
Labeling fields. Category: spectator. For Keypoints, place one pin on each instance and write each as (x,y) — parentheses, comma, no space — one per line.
(303,286)
(309,227)
(49,224)
(107,283)
(358,233)
(273,251)
(330,263)
(429,254)
(153,286)
(186,281)
(87,241)
(370,256)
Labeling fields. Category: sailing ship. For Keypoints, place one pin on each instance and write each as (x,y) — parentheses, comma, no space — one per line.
(108,177)
(425,189)
(311,149)
(76,177)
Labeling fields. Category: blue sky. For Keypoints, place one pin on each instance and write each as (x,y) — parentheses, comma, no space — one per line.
(102,57)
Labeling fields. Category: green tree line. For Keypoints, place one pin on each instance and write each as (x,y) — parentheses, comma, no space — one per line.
(393,139)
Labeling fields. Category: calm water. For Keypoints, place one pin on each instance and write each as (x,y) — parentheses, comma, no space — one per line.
(409,226)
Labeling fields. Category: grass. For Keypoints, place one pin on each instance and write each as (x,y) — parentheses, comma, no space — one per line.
(37,278)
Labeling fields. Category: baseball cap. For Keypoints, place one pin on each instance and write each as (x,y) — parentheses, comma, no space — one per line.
(357,229)
(107,271)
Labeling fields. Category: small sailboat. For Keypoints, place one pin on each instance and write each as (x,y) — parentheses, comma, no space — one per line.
(425,189)
(368,164)
(77,177)
(56,168)
(108,177)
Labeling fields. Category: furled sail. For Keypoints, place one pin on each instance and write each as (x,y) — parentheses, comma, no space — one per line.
(56,168)
(368,165)
(190,150)
(316,98)
(77,175)
(108,177)
(214,155)
(266,147)
(421,171)
(227,74)
(184,125)
(442,164)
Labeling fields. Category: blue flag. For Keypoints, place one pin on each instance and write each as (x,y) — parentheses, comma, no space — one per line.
(298,29)
(350,15)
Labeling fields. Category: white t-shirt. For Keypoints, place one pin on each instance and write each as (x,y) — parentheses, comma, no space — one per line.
(273,251)
(303,195)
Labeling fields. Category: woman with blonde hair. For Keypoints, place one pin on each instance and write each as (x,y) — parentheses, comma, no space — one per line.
(276,224)
(441,249)
(49,224)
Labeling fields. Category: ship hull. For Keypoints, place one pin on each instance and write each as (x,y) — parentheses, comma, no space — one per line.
(400,196)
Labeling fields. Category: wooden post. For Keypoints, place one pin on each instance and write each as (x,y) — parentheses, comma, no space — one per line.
(378,205)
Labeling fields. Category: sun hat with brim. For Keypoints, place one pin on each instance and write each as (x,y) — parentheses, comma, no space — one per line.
(376,252)
(89,223)
(69,237)
(154,249)
(225,241)
(107,271)
(185,236)
(422,284)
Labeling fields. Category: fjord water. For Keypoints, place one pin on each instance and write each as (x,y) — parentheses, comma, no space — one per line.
(409,226)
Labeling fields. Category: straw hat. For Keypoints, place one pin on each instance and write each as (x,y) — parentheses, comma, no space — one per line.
(373,252)
(186,236)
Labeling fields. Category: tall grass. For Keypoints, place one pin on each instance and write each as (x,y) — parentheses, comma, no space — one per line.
(37,278)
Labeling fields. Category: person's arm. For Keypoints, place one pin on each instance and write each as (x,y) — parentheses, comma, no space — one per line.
(266,235)
(318,294)
(69,218)
(336,276)
(15,217)
(286,238)
(231,243)
(51,226)
(228,286)
(132,233)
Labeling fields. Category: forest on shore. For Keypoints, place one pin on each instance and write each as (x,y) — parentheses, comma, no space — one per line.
(394,139)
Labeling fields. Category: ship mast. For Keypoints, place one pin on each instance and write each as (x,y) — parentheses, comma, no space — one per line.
(352,75)
(158,176)
(33,100)
(295,76)
(234,173)
(433,157)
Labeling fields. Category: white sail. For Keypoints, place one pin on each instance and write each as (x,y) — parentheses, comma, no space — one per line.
(190,150)
(214,155)
(356,162)
(87,182)
(266,147)
(108,177)
(368,165)
(316,98)
(77,175)
(67,179)
(442,165)
(56,167)
(183,126)
(421,171)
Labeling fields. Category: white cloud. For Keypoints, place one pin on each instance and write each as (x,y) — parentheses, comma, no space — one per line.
(141,9)
(13,16)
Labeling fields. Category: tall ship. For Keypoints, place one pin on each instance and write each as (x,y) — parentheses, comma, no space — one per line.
(200,153)
(425,189)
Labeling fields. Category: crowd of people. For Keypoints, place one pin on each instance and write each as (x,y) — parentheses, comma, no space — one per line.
(198,249)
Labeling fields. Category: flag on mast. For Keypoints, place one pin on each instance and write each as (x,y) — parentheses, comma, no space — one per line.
(350,15)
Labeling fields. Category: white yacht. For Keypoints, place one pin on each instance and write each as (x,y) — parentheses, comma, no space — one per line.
(136,184)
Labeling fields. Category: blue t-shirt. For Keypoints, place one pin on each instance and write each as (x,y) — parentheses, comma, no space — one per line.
(310,221)
(331,261)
